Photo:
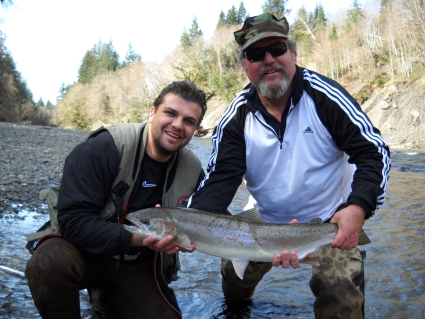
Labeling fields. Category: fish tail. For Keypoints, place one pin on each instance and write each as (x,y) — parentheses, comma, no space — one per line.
(363,238)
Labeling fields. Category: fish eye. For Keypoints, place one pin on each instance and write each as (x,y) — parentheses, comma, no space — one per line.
(145,221)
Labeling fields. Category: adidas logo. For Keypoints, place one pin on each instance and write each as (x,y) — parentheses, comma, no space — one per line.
(308,130)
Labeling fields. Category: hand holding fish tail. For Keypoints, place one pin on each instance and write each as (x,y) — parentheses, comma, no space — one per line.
(350,221)
(287,259)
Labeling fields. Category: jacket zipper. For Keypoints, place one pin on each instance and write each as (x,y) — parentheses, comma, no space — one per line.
(279,134)
(280,137)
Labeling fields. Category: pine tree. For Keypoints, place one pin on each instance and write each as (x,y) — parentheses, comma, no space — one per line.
(6,3)
(188,36)
(14,92)
(221,19)
(131,56)
(319,17)
(88,68)
(49,105)
(232,16)
(108,59)
(276,7)
(62,91)
(39,104)
(333,35)
(101,58)
(302,32)
(79,118)
(353,15)
(242,14)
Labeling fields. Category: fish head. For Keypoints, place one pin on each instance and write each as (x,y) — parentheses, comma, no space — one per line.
(149,222)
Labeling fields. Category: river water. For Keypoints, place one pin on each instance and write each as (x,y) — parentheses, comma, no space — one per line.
(395,263)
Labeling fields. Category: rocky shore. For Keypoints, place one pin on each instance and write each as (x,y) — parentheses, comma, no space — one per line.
(32,159)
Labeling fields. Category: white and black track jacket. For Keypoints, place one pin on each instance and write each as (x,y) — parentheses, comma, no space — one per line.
(324,152)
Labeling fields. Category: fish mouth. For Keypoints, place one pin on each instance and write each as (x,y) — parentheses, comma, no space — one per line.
(138,229)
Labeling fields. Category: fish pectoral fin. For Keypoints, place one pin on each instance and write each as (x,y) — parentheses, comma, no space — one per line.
(240,267)
(252,214)
(183,241)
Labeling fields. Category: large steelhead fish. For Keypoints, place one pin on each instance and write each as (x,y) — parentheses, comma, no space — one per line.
(240,238)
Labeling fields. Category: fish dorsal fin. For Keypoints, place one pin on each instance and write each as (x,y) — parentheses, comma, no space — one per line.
(315,221)
(240,267)
(251,214)
(183,241)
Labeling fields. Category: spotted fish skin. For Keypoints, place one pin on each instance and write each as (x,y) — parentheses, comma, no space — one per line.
(240,238)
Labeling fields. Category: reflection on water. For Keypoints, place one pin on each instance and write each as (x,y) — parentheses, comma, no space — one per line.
(395,264)
(413,162)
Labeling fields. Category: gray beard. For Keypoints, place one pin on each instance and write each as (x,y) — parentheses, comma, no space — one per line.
(274,92)
(277,91)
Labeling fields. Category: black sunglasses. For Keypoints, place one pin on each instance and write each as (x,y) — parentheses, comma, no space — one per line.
(277,49)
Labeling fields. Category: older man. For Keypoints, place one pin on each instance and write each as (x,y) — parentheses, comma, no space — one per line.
(305,150)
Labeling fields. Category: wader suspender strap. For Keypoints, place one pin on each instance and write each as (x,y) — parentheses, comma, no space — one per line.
(122,199)
(124,213)
(51,195)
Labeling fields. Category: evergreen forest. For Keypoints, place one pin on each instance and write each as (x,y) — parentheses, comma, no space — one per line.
(370,43)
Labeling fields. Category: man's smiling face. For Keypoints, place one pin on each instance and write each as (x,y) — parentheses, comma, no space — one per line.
(171,126)
(273,75)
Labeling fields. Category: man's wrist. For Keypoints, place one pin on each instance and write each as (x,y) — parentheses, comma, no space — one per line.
(358,210)
(362,204)
(136,241)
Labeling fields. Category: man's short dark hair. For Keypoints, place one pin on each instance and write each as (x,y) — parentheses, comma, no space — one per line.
(187,91)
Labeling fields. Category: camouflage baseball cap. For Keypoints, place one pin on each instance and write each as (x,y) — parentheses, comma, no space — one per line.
(260,27)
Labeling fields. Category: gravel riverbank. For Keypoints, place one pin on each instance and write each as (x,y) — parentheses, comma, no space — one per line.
(32,158)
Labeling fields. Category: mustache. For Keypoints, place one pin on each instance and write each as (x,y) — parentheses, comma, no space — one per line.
(273,67)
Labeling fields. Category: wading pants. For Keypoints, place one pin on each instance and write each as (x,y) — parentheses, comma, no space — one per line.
(57,271)
(334,283)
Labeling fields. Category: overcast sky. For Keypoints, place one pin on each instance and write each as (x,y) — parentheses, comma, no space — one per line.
(48,38)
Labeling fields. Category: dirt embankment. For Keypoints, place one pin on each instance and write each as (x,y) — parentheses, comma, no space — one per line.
(397,109)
